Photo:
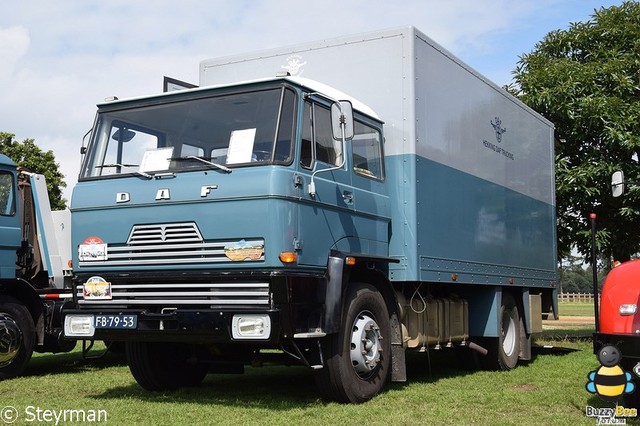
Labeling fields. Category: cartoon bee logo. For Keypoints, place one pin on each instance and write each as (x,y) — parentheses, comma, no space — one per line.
(609,381)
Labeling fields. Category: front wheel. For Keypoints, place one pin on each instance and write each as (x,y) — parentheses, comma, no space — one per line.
(357,359)
(165,366)
(17,337)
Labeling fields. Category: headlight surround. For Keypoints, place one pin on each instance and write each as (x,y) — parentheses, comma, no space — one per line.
(79,326)
(251,326)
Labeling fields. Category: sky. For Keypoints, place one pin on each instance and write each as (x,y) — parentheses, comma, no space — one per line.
(58,59)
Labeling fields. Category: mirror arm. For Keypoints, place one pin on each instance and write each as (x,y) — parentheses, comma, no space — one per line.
(312,184)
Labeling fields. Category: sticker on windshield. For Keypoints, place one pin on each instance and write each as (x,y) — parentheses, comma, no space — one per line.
(155,160)
(241,146)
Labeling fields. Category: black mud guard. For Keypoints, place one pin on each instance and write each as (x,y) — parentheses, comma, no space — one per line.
(337,280)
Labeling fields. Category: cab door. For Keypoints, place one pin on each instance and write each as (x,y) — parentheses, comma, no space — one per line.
(326,219)
(372,208)
(10,234)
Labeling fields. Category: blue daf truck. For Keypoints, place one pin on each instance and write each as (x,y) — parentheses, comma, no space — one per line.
(333,204)
(35,279)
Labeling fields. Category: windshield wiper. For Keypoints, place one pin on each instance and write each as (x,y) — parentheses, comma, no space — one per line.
(128,167)
(202,160)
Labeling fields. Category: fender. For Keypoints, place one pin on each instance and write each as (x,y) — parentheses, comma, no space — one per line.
(338,275)
(24,292)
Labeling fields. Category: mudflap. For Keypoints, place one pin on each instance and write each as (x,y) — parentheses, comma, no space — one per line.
(398,362)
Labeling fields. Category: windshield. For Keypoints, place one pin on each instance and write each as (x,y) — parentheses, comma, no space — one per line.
(224,131)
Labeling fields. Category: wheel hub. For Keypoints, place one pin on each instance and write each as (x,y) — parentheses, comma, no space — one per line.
(10,339)
(366,345)
(508,335)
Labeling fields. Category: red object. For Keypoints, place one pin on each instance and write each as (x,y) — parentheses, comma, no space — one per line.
(52,296)
(93,240)
(592,216)
(621,287)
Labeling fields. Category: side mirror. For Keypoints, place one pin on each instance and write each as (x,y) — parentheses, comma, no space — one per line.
(123,134)
(342,115)
(617,183)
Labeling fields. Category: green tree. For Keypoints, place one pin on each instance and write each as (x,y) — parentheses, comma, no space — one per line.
(586,80)
(574,277)
(28,155)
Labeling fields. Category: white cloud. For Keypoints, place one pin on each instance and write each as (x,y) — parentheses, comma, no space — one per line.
(14,42)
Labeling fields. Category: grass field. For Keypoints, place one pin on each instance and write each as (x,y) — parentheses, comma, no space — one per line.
(576,309)
(548,390)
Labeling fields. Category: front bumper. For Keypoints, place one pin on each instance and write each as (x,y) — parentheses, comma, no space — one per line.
(179,325)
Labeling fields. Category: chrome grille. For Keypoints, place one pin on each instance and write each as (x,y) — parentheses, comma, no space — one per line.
(211,294)
(165,233)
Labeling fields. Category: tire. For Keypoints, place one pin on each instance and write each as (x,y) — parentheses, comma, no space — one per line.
(17,337)
(505,349)
(164,366)
(357,359)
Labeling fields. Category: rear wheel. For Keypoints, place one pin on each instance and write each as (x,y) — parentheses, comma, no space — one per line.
(17,337)
(165,366)
(357,359)
(504,350)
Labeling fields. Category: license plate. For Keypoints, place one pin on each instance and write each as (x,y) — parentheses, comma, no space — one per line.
(116,321)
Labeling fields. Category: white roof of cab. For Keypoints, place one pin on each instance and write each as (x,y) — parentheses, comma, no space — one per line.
(313,85)
(334,94)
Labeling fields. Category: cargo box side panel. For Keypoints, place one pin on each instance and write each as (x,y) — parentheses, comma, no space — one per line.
(485,181)
(482,232)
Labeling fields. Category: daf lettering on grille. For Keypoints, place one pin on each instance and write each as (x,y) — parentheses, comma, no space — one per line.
(123,197)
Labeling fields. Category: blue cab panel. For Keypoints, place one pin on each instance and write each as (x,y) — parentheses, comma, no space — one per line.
(10,235)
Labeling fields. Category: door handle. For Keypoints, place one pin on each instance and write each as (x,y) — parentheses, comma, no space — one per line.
(347,197)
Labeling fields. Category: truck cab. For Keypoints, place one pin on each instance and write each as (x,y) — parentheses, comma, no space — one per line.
(218,211)
(214,166)
(32,278)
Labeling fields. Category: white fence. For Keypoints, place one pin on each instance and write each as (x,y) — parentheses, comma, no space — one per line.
(575,297)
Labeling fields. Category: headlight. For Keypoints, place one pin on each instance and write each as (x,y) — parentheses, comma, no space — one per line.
(79,326)
(251,326)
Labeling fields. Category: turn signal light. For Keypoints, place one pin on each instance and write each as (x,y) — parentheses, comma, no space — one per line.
(350,260)
(288,257)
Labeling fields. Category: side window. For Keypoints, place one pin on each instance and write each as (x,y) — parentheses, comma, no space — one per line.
(7,203)
(317,137)
(328,150)
(285,128)
(306,151)
(367,151)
